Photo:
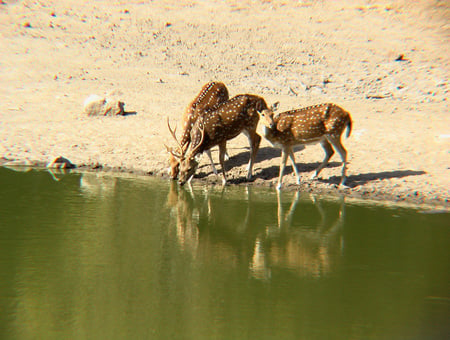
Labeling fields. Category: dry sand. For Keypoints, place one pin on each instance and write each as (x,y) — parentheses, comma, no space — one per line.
(156,55)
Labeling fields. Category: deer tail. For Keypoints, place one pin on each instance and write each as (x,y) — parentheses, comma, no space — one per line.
(349,127)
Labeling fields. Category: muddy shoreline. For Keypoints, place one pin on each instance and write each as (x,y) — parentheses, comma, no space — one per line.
(406,198)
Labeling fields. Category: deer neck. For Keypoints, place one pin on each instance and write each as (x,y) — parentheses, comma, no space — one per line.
(267,131)
(271,135)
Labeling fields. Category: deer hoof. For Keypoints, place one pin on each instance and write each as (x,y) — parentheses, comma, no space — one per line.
(214,170)
(343,184)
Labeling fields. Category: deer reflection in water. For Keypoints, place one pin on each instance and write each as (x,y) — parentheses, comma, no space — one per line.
(187,215)
(207,227)
(305,250)
(210,227)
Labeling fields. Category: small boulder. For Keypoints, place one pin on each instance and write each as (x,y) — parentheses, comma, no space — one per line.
(114,107)
(95,105)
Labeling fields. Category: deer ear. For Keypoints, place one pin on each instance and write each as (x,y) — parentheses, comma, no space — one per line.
(261,112)
(275,106)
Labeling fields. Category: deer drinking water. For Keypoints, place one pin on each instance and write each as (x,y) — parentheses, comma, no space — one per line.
(210,96)
(215,127)
(322,123)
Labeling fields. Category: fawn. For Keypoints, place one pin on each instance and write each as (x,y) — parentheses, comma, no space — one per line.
(210,96)
(215,127)
(323,123)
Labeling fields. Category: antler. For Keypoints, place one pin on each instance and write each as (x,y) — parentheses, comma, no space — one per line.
(173,152)
(172,132)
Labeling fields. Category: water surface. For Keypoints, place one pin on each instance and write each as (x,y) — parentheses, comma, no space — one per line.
(93,256)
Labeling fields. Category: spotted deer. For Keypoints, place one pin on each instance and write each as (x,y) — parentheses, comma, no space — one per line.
(210,96)
(323,123)
(216,127)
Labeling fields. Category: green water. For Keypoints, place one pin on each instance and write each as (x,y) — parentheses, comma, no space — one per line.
(93,256)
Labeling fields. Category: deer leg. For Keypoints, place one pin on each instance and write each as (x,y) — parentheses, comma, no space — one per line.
(336,142)
(284,155)
(208,152)
(329,152)
(280,212)
(254,140)
(286,218)
(189,180)
(227,156)
(292,158)
(222,150)
(292,208)
(189,185)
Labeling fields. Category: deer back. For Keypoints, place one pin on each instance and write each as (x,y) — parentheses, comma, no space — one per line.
(211,95)
(309,124)
(337,120)
(225,122)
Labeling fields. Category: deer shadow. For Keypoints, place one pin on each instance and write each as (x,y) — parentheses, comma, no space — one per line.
(268,173)
(266,153)
(129,113)
(361,179)
(236,160)
(242,158)
(352,181)
(273,171)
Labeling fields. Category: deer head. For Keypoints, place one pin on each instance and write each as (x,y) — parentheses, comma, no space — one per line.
(210,97)
(188,165)
(175,155)
(174,164)
(266,116)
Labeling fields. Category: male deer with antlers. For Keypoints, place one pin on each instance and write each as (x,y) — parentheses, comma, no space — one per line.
(211,95)
(322,123)
(215,127)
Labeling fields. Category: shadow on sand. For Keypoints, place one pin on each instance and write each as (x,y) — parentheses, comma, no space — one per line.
(271,172)
(129,113)
(361,179)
